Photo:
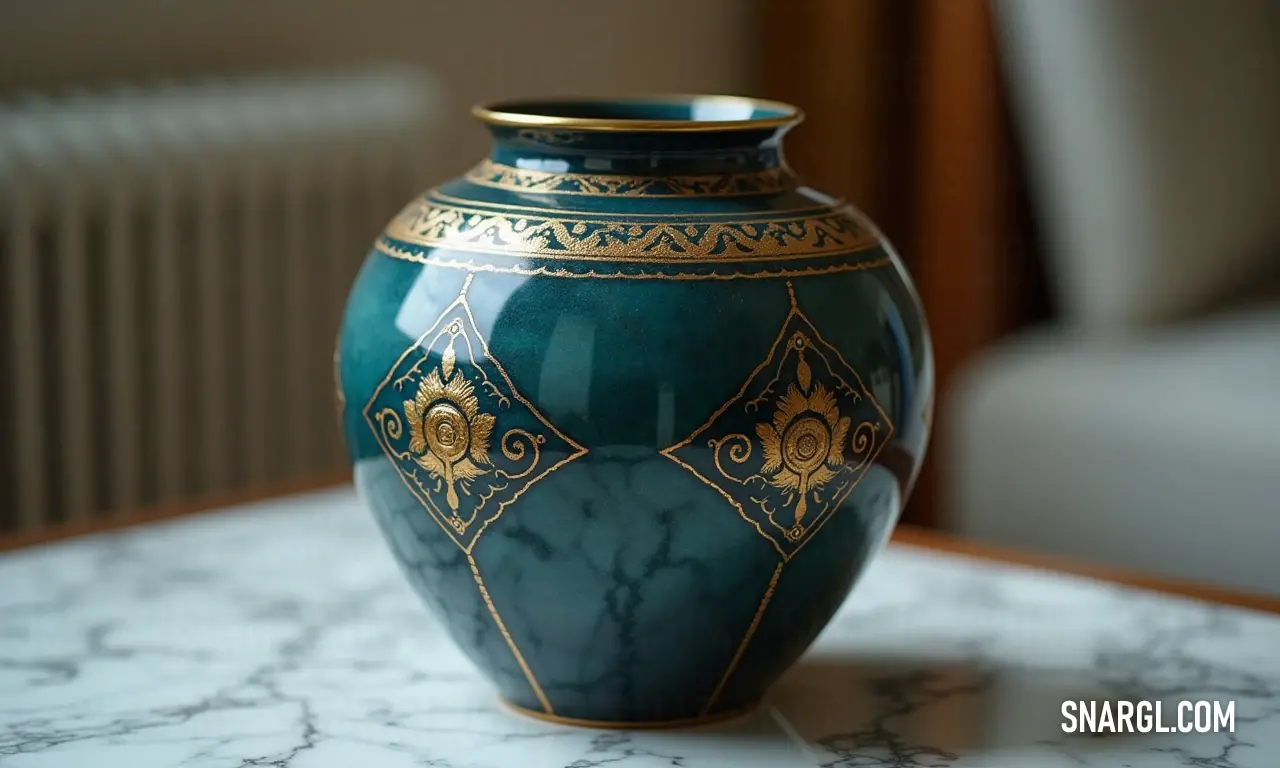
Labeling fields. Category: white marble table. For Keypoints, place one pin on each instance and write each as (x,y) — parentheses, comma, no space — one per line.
(282,635)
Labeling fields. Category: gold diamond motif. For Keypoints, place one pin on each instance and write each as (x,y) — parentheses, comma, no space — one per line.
(463,440)
(790,447)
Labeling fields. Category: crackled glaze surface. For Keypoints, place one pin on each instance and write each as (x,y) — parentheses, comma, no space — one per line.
(206,643)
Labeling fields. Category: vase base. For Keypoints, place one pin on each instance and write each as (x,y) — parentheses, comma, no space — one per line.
(635,725)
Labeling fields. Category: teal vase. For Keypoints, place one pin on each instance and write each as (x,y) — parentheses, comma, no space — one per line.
(633,406)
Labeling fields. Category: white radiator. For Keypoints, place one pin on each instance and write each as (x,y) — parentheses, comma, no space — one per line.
(173,263)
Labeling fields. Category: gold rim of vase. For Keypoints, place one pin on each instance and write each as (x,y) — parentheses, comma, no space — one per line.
(531,113)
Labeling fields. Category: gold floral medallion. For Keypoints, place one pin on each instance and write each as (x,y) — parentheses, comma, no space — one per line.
(804,445)
(791,446)
(465,442)
(449,437)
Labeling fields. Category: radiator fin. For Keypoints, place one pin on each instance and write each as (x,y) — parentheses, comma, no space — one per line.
(175,261)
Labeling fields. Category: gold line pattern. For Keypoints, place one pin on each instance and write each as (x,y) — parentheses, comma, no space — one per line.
(579,450)
(436,259)
(670,452)
(500,176)
(515,651)
(459,396)
(438,224)
(734,502)
(795,454)
(746,640)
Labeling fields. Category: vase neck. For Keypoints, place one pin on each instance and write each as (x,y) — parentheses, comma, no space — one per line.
(676,136)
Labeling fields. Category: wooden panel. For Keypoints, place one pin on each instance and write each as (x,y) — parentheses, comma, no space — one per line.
(913,536)
(851,76)
(906,119)
(962,218)
(832,77)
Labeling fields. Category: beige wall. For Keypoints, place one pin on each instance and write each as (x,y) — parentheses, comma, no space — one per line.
(480,49)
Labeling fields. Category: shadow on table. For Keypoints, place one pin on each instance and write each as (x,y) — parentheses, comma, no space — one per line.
(911,711)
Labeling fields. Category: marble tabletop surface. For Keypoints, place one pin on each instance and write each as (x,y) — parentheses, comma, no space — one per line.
(282,634)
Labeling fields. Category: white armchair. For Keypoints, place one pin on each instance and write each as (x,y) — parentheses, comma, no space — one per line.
(1144,429)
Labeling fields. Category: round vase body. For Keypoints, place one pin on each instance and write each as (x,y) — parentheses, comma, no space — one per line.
(632,406)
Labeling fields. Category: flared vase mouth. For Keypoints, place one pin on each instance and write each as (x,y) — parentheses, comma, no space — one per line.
(681,113)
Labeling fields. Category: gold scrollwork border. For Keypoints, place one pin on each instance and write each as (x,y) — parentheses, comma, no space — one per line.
(431,221)
(513,179)
(436,259)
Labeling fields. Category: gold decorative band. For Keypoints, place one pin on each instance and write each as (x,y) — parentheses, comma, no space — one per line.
(432,222)
(508,177)
(471,263)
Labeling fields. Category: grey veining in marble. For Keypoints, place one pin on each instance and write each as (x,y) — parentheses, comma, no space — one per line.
(283,635)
